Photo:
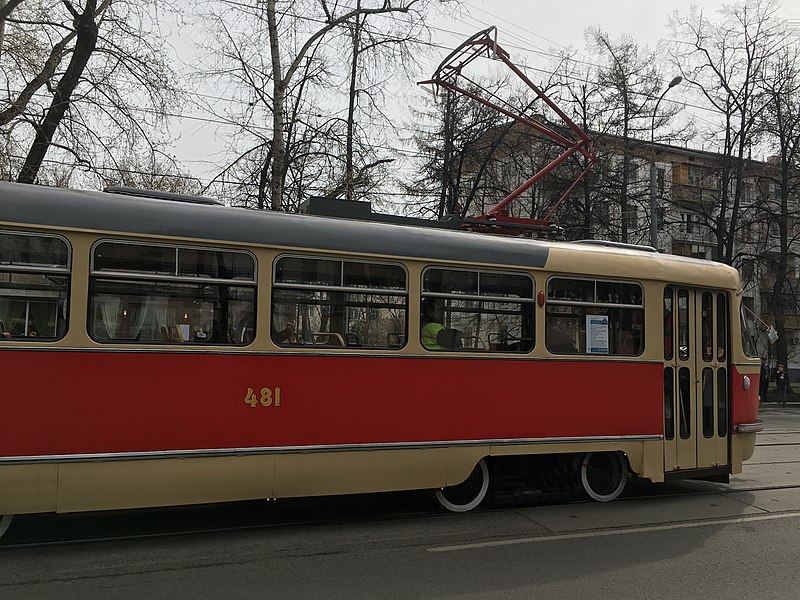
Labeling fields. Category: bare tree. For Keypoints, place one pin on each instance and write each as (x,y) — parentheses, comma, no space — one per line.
(377,53)
(83,79)
(724,61)
(628,85)
(780,124)
(577,91)
(466,152)
(149,172)
(286,89)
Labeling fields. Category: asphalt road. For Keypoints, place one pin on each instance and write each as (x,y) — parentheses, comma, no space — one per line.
(688,540)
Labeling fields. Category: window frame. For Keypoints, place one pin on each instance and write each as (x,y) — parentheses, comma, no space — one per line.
(119,274)
(59,271)
(594,304)
(481,298)
(123,276)
(405,292)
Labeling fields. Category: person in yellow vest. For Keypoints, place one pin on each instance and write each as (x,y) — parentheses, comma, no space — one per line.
(430,326)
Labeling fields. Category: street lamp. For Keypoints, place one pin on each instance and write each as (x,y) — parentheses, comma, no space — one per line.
(653,207)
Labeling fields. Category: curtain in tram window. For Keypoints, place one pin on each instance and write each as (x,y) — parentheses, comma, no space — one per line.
(12,313)
(42,319)
(109,313)
(308,323)
(5,314)
(159,313)
(137,316)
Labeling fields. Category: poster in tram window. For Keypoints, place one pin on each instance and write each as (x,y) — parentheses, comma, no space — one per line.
(597,334)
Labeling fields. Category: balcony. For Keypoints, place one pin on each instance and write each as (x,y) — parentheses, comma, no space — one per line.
(695,198)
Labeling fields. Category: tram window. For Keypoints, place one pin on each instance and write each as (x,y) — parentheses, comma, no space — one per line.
(337,303)
(451,281)
(708,402)
(722,327)
(683,324)
(707,326)
(135,258)
(34,286)
(669,403)
(722,402)
(179,296)
(373,275)
(669,311)
(594,317)
(480,311)
(748,333)
(193,262)
(684,404)
(31,250)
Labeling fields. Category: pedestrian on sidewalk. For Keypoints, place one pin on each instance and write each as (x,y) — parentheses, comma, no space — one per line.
(781,384)
(764,378)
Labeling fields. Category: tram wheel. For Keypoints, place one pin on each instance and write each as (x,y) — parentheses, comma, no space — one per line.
(468,494)
(603,475)
(5,523)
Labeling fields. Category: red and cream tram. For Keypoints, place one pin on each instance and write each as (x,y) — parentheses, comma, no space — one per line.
(156,352)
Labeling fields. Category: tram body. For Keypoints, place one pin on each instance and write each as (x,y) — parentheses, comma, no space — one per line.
(143,362)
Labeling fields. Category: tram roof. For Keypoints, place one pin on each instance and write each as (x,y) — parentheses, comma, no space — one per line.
(117,213)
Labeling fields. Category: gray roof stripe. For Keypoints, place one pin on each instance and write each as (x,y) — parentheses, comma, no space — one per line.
(58,207)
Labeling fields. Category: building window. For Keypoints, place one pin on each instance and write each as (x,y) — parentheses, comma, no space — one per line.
(689,222)
(333,303)
(153,294)
(660,180)
(748,269)
(692,250)
(586,316)
(469,310)
(748,193)
(632,217)
(34,286)
(695,176)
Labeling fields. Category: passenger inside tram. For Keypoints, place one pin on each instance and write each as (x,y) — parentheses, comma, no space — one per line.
(288,335)
(431,326)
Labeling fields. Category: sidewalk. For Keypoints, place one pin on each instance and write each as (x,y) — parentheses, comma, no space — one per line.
(772,401)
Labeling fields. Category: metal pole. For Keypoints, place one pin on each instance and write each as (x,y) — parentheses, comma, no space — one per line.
(653,203)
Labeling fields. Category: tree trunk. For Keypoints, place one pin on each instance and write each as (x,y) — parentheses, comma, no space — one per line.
(85,44)
(278,99)
(447,157)
(349,176)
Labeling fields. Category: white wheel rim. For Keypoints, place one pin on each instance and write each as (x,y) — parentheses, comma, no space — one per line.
(5,523)
(587,486)
(445,503)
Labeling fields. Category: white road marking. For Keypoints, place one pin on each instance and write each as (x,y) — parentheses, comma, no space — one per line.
(625,531)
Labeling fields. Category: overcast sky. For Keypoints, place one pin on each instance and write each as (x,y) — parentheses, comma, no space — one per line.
(528,29)
(549,23)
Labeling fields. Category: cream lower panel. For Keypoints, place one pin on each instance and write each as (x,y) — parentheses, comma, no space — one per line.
(743,445)
(163,482)
(28,488)
(646,458)
(319,474)
(115,484)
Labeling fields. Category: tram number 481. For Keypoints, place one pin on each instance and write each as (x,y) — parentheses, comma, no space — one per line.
(265,397)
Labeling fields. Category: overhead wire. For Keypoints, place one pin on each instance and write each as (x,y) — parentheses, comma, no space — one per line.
(528,48)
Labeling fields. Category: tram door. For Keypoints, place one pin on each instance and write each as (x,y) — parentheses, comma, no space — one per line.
(696,394)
